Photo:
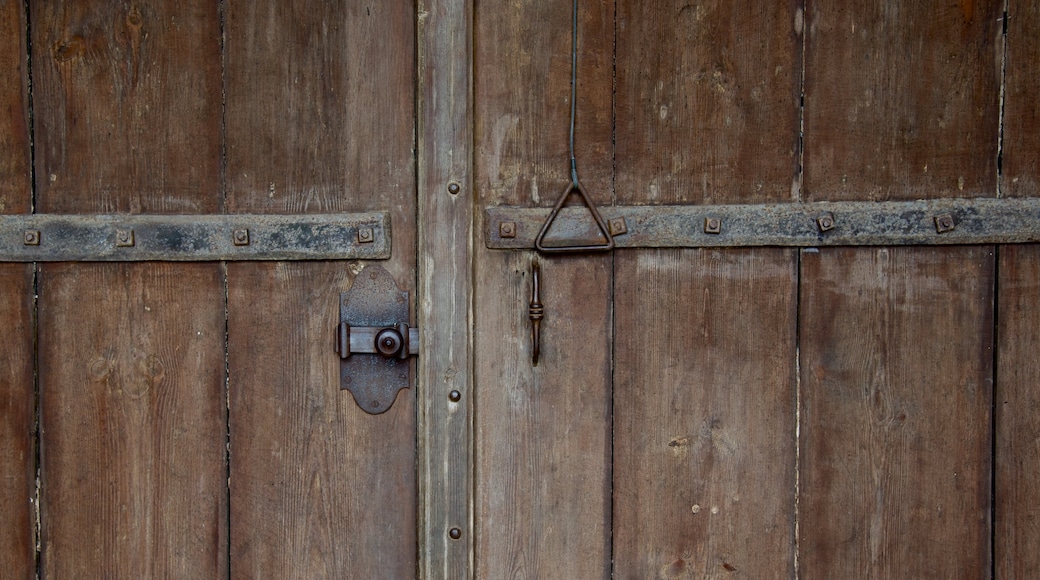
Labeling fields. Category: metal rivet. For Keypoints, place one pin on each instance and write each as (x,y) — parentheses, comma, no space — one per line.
(32,238)
(454,188)
(241,237)
(712,225)
(124,238)
(617,226)
(507,229)
(455,396)
(944,223)
(454,533)
(825,222)
(365,235)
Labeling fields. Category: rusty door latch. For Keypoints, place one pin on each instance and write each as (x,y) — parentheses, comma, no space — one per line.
(372,322)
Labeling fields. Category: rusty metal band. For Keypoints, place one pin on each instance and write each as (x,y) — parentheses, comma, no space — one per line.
(131,238)
(888,223)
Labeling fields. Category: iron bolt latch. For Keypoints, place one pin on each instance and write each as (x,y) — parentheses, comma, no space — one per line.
(399,341)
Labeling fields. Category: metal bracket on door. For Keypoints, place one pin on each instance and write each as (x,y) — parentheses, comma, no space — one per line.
(373,315)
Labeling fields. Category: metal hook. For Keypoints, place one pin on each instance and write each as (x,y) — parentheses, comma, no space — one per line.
(536,312)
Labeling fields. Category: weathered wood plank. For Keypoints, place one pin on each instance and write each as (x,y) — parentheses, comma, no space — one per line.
(704,409)
(320,112)
(15,183)
(896,392)
(707,101)
(542,433)
(445,298)
(133,421)
(704,437)
(1017,415)
(886,83)
(127,106)
(320,489)
(17,396)
(17,424)
(901,102)
(1021,150)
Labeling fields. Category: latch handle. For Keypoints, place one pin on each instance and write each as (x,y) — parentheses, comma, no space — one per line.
(590,247)
(399,341)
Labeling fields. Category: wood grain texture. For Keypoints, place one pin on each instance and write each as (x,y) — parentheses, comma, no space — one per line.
(445,296)
(704,408)
(1017,415)
(15,176)
(542,434)
(17,391)
(707,101)
(885,82)
(1021,151)
(896,393)
(127,107)
(704,448)
(133,421)
(522,73)
(319,488)
(320,118)
(17,424)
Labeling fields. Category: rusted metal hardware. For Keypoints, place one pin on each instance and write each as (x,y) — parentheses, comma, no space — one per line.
(372,322)
(865,223)
(177,238)
(536,312)
(589,243)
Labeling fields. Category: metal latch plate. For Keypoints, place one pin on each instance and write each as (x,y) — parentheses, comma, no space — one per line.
(373,304)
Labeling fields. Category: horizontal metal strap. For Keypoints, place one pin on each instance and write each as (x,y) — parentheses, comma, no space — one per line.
(859,223)
(133,238)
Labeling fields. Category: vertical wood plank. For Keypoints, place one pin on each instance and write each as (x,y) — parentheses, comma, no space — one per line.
(542,433)
(901,102)
(17,424)
(887,81)
(896,395)
(1021,152)
(704,399)
(127,108)
(320,489)
(134,421)
(1017,489)
(1017,403)
(708,96)
(320,118)
(704,414)
(127,101)
(17,390)
(445,302)
(15,183)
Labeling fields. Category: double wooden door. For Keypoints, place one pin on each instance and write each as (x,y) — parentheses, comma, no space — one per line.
(757,412)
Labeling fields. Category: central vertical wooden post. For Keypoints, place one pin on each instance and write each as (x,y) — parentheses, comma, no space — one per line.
(445,392)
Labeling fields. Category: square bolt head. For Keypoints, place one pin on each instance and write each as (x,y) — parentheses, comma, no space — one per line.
(365,236)
(507,229)
(124,238)
(31,238)
(240,237)
(825,222)
(944,223)
(617,226)
(712,225)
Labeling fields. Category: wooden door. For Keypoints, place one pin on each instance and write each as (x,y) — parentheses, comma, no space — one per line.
(185,420)
(773,412)
(760,412)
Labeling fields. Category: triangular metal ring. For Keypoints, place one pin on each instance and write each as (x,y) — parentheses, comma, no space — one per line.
(575,185)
